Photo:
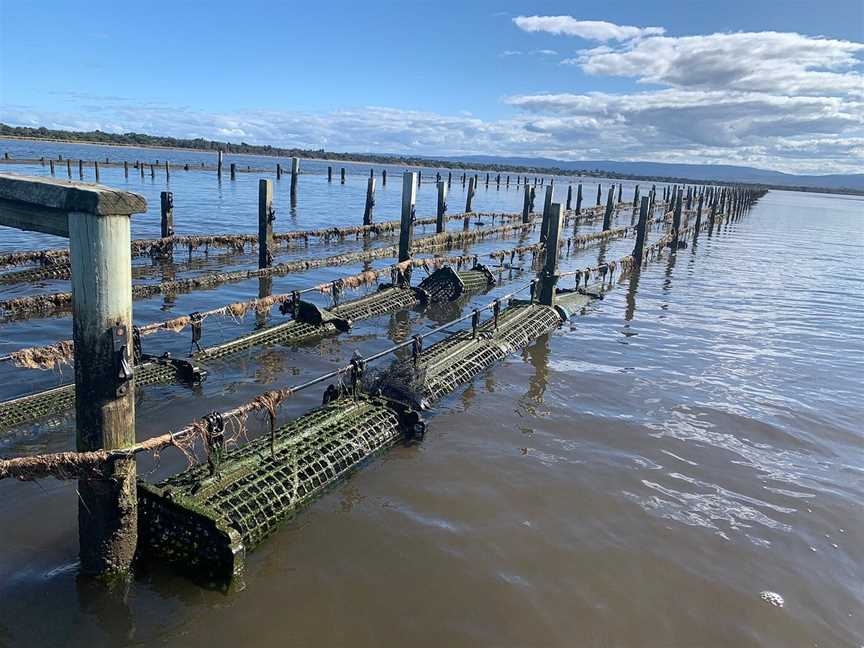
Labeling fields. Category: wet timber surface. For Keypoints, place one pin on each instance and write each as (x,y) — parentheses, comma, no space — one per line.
(644,476)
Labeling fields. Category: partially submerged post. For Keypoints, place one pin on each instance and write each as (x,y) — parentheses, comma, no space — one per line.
(343,175)
(544,224)
(329,174)
(676,221)
(472,183)
(579,199)
(233,168)
(295,171)
(96,221)
(370,199)
(526,205)
(641,231)
(125,168)
(266,216)
(549,275)
(384,177)
(406,227)
(442,207)
(96,170)
(599,187)
(166,199)
(607,216)
(219,164)
(569,196)
(81,169)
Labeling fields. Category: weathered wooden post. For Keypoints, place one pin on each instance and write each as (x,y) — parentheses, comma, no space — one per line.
(69,168)
(620,188)
(498,181)
(449,179)
(96,170)
(442,207)
(167,211)
(343,175)
(472,183)
(549,275)
(219,164)
(579,199)
(167,171)
(266,216)
(526,205)
(295,172)
(698,218)
(81,169)
(152,170)
(278,171)
(676,221)
(463,179)
(544,223)
(641,231)
(406,225)
(370,201)
(125,169)
(97,222)
(419,177)
(569,196)
(384,177)
(598,194)
(635,200)
(51,164)
(233,169)
(141,169)
(329,174)
(507,184)
(607,216)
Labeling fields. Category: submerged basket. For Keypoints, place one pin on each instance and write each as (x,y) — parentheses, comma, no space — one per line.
(206,518)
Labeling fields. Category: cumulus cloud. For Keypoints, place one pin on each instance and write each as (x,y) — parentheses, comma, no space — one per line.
(598,30)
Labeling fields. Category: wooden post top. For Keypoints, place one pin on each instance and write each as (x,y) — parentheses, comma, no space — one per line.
(53,193)
(40,204)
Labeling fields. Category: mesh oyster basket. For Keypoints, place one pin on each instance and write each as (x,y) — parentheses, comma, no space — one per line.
(446,284)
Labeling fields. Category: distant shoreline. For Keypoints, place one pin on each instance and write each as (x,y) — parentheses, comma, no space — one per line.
(388,160)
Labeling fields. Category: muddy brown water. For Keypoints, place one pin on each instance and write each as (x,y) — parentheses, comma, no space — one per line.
(649,475)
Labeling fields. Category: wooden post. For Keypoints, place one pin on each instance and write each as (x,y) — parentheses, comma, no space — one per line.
(278,171)
(266,216)
(507,183)
(620,188)
(81,169)
(96,221)
(167,171)
(51,164)
(167,210)
(343,175)
(96,170)
(449,179)
(219,164)
(463,179)
(152,171)
(526,205)
(472,183)
(406,226)
(579,199)
(641,231)
(487,179)
(329,174)
(569,196)
(544,223)
(295,172)
(384,177)
(676,221)
(598,194)
(125,169)
(233,168)
(549,276)
(141,169)
(698,217)
(607,216)
(442,207)
(370,201)
(419,177)
(635,200)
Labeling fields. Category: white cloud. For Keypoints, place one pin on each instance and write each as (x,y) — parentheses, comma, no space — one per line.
(598,30)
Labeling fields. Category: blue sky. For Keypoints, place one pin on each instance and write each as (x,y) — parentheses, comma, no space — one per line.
(772,84)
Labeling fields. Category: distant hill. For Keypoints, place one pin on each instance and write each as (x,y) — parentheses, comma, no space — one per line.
(720,172)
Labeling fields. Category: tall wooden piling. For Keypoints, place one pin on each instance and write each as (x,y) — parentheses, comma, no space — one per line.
(233,169)
(620,189)
(598,194)
(569,196)
(278,171)
(51,165)
(330,174)
(641,232)
(549,275)
(544,223)
(97,222)
(219,164)
(295,172)
(370,201)
(141,169)
(610,207)
(406,226)
(384,177)
(125,169)
(698,217)
(487,180)
(676,221)
(96,170)
(152,170)
(449,179)
(80,169)
(266,216)
(342,174)
(167,171)
(166,200)
(472,183)
(442,207)
(579,199)
(526,205)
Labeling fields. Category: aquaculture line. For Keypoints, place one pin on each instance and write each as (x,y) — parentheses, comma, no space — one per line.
(205,519)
